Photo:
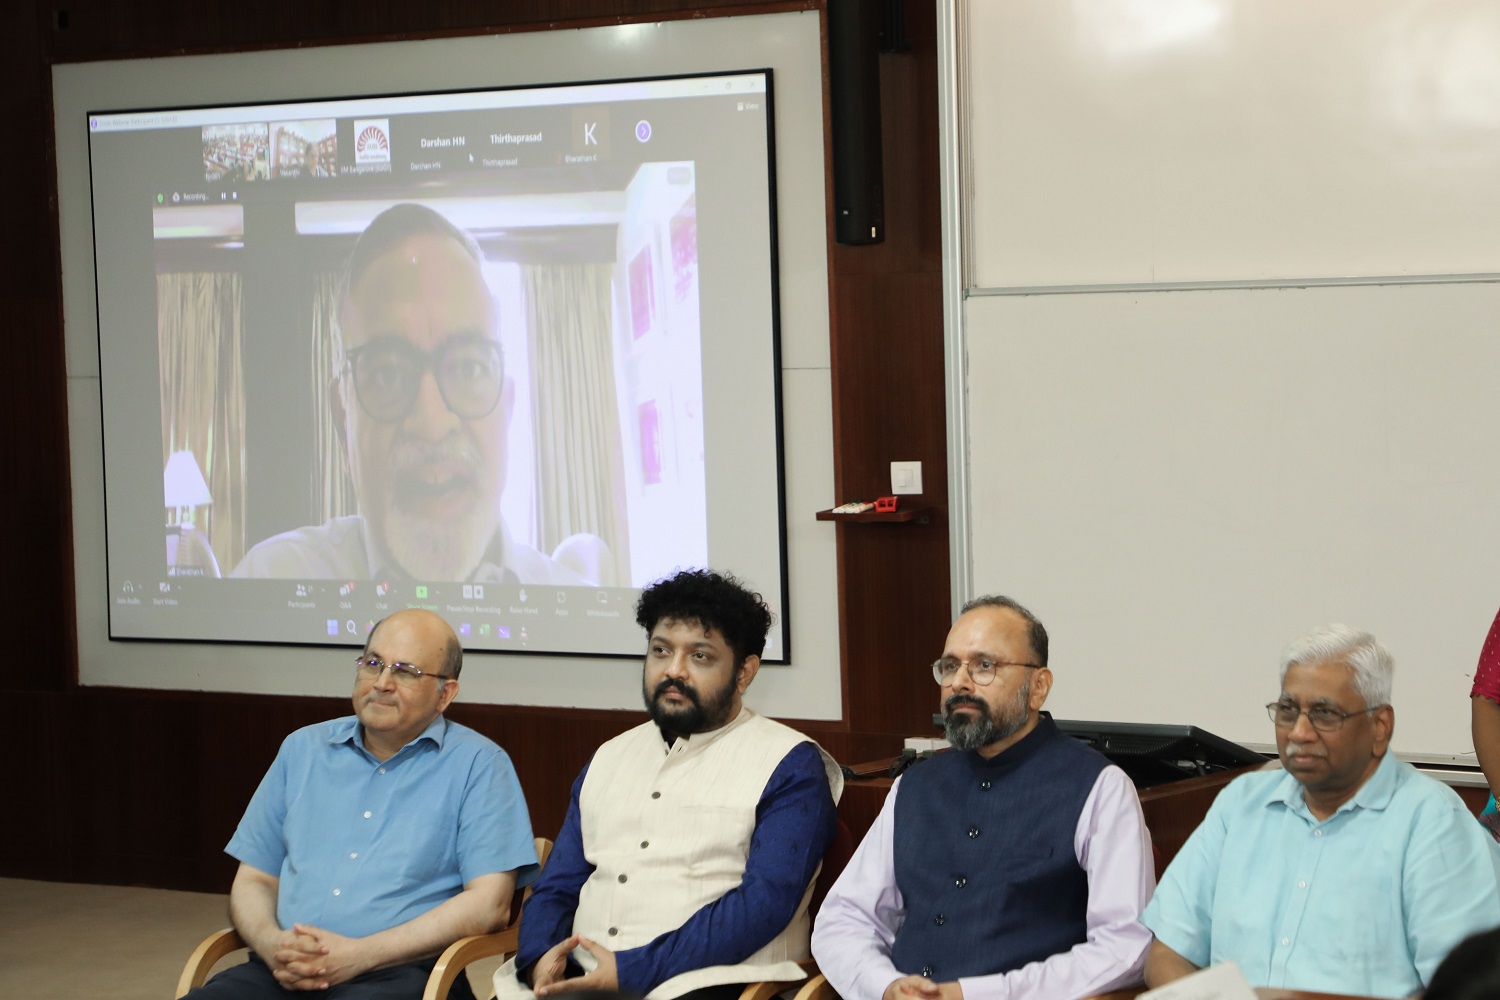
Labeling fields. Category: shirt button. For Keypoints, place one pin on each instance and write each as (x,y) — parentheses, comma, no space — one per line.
(927,971)
(973,832)
(1285,942)
(382,770)
(960,882)
(353,855)
(1317,833)
(656,795)
(1302,885)
(939,919)
(337,891)
(613,931)
(645,844)
(368,814)
(984,785)
(623,879)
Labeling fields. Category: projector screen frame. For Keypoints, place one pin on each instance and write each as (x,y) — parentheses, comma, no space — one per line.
(810,687)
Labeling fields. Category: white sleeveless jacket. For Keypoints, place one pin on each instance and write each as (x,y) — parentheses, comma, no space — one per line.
(668,830)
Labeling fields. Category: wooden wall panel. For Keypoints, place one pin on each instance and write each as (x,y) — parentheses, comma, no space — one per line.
(145,787)
(36,554)
(888,393)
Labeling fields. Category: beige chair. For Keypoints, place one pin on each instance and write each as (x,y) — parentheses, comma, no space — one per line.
(450,965)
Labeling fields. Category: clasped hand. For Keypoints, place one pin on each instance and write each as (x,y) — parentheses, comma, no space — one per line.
(920,988)
(311,958)
(549,975)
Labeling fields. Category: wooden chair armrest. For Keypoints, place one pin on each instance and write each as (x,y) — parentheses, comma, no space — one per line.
(453,961)
(816,988)
(205,956)
(770,988)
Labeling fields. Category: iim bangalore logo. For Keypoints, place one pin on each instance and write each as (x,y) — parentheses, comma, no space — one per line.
(372,143)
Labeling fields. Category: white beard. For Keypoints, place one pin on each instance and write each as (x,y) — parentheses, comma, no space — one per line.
(439,550)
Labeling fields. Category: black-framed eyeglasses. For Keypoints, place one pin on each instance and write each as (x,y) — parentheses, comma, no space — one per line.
(1324,718)
(370,666)
(470,372)
(981,669)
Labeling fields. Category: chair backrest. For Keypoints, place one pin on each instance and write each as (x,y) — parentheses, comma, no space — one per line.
(543,851)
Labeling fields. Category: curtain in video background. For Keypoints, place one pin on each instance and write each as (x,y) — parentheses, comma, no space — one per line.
(334,486)
(579,465)
(203,395)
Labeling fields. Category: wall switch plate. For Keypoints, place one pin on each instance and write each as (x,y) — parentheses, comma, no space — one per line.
(906,477)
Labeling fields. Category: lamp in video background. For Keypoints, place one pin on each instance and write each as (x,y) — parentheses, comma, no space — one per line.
(188,551)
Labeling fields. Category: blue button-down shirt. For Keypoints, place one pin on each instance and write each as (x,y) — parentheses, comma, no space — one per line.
(1368,901)
(361,845)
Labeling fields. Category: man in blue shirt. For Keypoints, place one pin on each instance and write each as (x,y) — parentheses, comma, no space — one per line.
(684,863)
(375,841)
(1345,872)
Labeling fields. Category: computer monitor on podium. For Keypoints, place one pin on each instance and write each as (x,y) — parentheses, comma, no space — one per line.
(1154,754)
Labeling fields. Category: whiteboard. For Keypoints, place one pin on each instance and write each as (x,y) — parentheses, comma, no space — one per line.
(1203,396)
(1190,140)
(1178,483)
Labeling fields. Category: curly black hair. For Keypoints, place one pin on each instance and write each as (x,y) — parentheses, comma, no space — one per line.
(717,602)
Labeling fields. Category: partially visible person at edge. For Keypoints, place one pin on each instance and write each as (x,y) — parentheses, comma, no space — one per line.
(1484,709)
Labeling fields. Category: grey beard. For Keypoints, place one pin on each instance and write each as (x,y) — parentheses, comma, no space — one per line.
(965,733)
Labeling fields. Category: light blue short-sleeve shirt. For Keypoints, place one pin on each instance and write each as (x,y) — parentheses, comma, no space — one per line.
(361,845)
(1368,901)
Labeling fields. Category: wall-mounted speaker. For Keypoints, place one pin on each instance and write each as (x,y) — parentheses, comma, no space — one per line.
(854,40)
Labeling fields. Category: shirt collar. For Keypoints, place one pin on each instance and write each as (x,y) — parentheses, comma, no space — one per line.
(1023,749)
(347,730)
(1375,793)
(697,741)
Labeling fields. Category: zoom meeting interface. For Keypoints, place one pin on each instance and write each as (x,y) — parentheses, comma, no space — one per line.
(507,355)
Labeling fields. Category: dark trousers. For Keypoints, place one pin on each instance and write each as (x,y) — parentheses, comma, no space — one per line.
(253,981)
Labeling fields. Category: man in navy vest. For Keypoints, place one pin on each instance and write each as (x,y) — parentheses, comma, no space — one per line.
(1016,865)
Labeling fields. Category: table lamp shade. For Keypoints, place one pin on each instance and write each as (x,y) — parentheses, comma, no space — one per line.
(183,482)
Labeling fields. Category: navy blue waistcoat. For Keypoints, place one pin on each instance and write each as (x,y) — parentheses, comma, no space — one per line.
(984,856)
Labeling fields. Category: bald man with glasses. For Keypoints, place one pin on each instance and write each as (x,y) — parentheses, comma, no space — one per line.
(1013,866)
(376,840)
(1346,871)
(424,412)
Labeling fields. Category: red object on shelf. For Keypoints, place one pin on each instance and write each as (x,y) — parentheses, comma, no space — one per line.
(885,505)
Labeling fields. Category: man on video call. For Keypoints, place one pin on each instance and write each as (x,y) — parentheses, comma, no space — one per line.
(425,411)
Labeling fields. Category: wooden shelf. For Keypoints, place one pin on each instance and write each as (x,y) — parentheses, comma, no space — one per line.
(921,514)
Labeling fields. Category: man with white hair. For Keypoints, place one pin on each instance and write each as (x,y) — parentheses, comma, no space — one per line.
(1347,871)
